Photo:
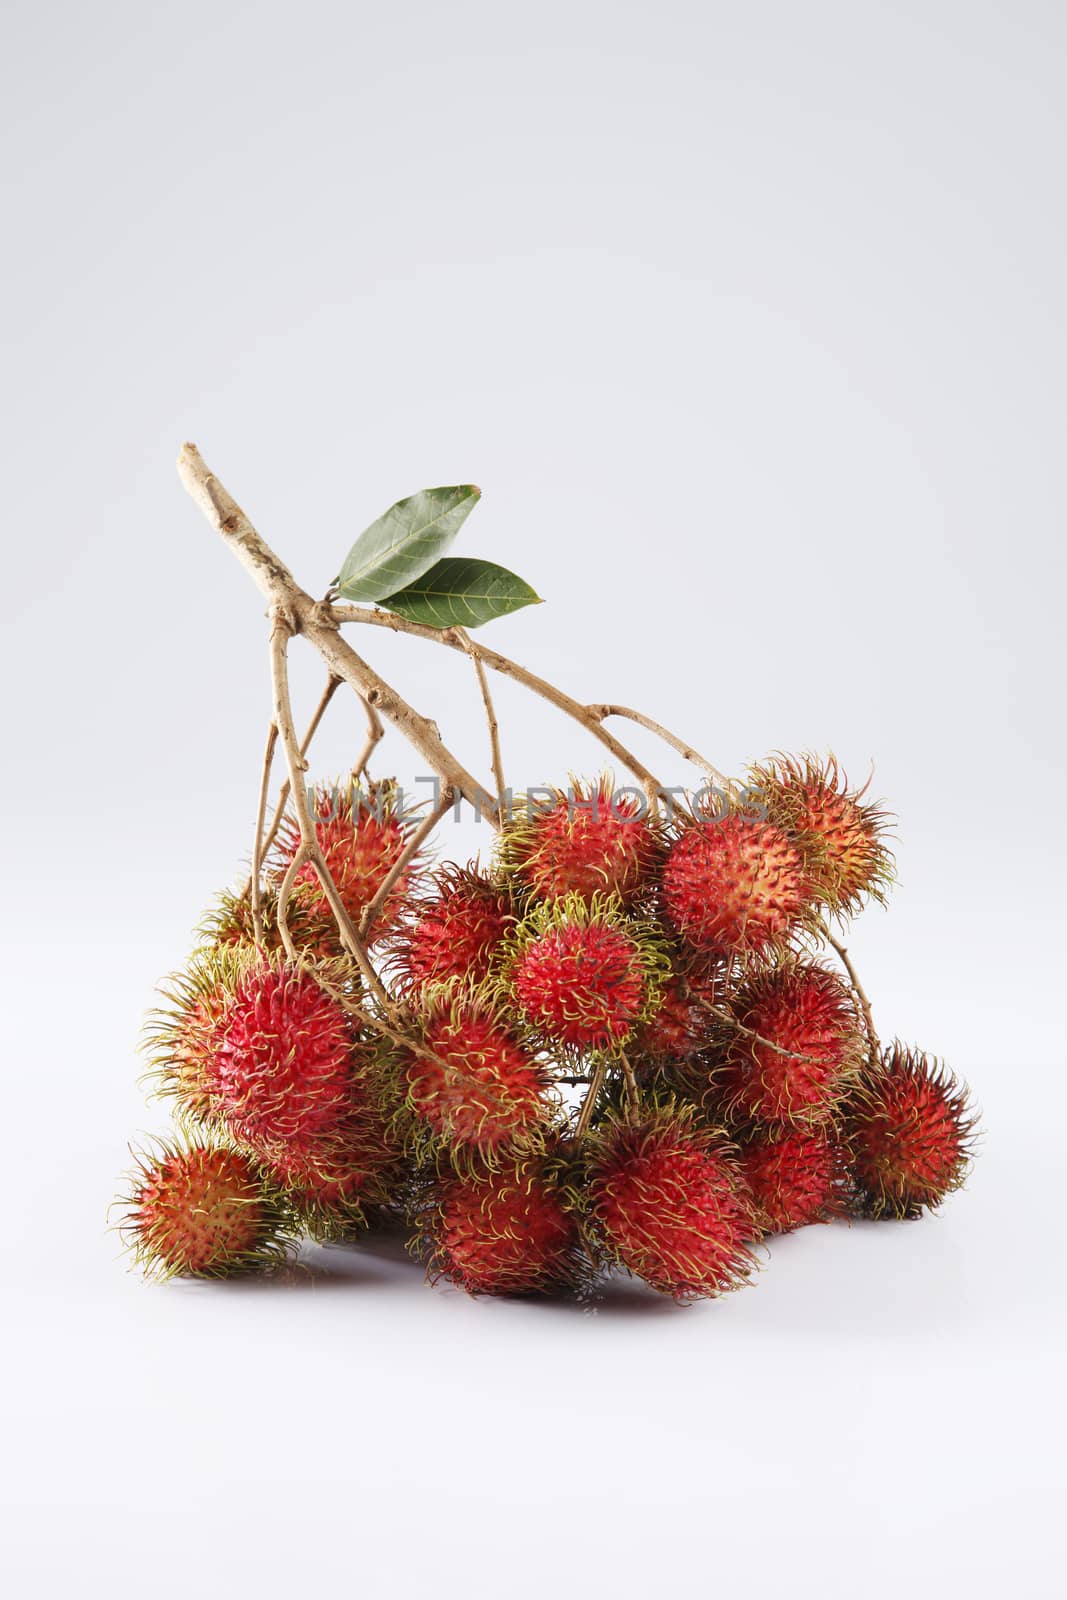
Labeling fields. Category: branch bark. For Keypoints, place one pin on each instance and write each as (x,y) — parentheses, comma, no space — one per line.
(317,622)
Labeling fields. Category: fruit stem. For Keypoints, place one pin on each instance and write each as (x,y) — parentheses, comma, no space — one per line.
(630,1081)
(858,990)
(375,731)
(592,1094)
(280,634)
(474,652)
(285,889)
(684,749)
(333,683)
(750,1033)
(257,838)
(411,849)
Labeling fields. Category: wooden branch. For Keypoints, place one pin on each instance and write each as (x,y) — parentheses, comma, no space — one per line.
(511,669)
(257,838)
(629,1078)
(280,635)
(403,860)
(857,989)
(685,750)
(317,623)
(285,889)
(332,685)
(592,1095)
(375,732)
(474,651)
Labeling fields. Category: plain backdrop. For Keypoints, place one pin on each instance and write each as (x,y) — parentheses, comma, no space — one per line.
(750,323)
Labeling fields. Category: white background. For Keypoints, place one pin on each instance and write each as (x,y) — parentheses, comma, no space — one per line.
(749,321)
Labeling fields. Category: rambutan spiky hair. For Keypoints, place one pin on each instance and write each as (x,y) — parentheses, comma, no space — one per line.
(177,1034)
(795,1177)
(198,1208)
(229,922)
(584,973)
(362,835)
(329,1180)
(840,836)
(588,840)
(735,885)
(667,1202)
(452,931)
(263,1047)
(909,1130)
(475,1088)
(509,1231)
(793,1049)
(681,1024)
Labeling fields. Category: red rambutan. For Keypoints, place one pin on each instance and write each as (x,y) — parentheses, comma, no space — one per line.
(181,1035)
(909,1131)
(202,1210)
(330,1178)
(677,1029)
(230,923)
(454,931)
(794,1178)
(583,973)
(735,885)
(506,1232)
(591,840)
(361,837)
(667,1203)
(281,1066)
(840,838)
(478,1086)
(808,1047)
(258,1044)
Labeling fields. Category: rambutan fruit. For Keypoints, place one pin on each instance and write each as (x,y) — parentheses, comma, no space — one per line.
(840,837)
(452,932)
(475,1084)
(259,1045)
(793,1177)
(677,1029)
(181,1035)
(202,1210)
(283,1059)
(330,1179)
(587,841)
(796,1050)
(667,1202)
(735,885)
(909,1131)
(583,973)
(362,836)
(230,923)
(508,1232)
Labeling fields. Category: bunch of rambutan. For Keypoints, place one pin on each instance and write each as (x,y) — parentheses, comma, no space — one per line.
(630,1039)
(623,1042)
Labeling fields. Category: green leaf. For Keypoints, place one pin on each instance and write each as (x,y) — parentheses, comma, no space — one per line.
(405,542)
(461,592)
